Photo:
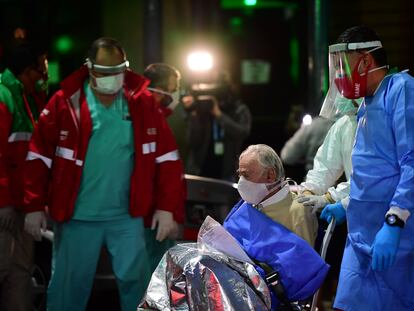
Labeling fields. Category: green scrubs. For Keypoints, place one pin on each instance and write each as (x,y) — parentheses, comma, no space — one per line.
(101,217)
(155,249)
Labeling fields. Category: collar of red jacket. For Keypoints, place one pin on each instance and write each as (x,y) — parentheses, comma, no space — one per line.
(134,84)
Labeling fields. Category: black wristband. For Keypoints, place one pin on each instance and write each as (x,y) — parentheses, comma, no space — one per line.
(394,221)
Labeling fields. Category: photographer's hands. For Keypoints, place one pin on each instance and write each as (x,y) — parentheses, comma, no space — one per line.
(215,110)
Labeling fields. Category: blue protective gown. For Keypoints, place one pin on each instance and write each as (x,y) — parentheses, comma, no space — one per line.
(383,176)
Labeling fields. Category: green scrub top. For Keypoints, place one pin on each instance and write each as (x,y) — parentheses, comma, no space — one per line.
(11,94)
(105,183)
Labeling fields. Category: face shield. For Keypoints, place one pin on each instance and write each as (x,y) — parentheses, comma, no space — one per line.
(345,78)
(107,80)
(107,69)
(335,105)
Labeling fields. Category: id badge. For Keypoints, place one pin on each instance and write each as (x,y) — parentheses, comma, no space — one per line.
(218,148)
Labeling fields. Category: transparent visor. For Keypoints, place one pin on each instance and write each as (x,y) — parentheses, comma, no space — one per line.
(335,103)
(107,69)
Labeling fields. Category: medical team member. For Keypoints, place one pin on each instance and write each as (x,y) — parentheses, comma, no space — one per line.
(333,157)
(377,268)
(102,158)
(165,89)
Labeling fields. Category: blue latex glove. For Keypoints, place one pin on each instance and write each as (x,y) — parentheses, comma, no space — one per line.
(385,247)
(336,210)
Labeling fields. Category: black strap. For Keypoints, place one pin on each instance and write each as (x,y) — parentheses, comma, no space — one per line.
(272,279)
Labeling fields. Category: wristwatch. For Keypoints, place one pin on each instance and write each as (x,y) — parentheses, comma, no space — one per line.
(394,220)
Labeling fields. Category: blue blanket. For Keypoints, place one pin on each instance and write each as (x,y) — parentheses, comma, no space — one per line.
(301,269)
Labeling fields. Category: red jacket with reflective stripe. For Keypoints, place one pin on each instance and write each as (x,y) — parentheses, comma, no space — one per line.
(60,142)
(15,132)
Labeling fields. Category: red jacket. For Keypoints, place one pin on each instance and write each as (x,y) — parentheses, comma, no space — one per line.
(16,128)
(59,143)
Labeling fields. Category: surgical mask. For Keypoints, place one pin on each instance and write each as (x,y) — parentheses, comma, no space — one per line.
(254,193)
(42,86)
(355,86)
(345,105)
(109,84)
(175,99)
(170,100)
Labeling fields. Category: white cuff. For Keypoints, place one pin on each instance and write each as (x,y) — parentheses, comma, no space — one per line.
(345,202)
(402,213)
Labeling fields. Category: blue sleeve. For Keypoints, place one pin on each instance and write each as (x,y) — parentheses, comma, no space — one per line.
(403,128)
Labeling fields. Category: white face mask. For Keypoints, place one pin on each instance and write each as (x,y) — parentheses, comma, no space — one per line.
(109,84)
(175,97)
(254,193)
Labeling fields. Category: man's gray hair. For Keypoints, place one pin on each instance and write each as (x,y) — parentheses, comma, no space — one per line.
(267,158)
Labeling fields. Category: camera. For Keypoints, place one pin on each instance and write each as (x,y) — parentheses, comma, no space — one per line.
(205,93)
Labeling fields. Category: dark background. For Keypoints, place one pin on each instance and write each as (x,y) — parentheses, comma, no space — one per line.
(292,35)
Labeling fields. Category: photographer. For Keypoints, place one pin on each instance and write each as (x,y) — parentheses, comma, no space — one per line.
(218,123)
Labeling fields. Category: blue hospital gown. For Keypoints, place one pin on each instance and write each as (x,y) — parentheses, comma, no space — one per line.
(383,176)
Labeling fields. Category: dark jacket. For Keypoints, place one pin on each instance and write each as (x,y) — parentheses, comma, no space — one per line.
(236,124)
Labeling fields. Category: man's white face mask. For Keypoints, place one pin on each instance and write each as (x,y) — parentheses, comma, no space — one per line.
(172,100)
(108,85)
(254,193)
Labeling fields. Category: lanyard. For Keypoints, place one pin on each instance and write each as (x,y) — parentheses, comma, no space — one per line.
(29,112)
(218,132)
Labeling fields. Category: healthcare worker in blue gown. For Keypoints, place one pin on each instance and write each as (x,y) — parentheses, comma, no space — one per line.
(377,271)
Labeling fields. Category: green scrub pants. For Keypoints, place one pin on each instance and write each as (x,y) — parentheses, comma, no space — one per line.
(76,249)
(155,249)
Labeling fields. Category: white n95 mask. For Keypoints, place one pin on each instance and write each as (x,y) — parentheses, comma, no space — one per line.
(172,99)
(254,193)
(175,100)
(109,84)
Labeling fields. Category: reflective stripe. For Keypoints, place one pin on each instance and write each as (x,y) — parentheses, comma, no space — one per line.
(64,153)
(150,147)
(74,99)
(170,156)
(20,136)
(35,156)
(67,154)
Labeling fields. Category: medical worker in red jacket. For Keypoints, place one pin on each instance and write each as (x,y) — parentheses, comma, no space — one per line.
(22,97)
(101,159)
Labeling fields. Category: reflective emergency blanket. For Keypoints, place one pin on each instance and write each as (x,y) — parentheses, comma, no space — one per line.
(214,274)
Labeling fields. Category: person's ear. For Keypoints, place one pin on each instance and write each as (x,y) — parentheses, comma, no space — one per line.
(158,96)
(271,175)
(367,60)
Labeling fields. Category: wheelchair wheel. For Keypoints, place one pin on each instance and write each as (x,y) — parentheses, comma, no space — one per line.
(39,287)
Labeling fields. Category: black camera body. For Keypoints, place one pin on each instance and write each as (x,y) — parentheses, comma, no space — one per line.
(205,93)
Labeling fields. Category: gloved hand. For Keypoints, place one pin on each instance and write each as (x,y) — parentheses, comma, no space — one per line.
(165,224)
(315,202)
(336,210)
(385,247)
(7,218)
(34,222)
